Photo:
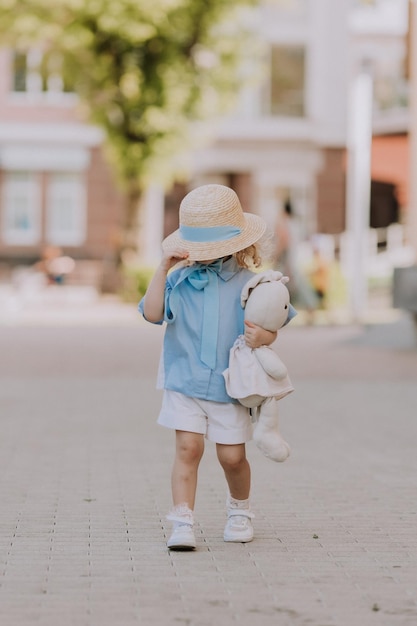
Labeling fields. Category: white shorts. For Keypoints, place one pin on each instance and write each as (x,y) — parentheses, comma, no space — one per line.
(220,422)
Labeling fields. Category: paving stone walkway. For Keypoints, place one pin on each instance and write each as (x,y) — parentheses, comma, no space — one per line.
(84,485)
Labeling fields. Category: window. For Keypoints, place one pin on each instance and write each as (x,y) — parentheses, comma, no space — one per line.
(21,208)
(390,83)
(287,78)
(66,209)
(295,8)
(20,71)
(37,72)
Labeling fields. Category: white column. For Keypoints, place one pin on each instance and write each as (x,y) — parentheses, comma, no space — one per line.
(359,188)
(327,68)
(411,233)
(151,225)
(268,204)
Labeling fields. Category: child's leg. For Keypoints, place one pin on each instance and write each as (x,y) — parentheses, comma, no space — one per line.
(189,450)
(237,471)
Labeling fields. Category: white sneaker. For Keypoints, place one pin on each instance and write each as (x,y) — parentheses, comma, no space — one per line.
(182,538)
(239,526)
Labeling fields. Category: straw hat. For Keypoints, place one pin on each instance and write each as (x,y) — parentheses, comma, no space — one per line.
(213,225)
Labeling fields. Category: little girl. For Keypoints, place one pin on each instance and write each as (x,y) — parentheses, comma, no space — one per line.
(200,303)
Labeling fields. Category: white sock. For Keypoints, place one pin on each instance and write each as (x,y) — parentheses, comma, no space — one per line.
(181,514)
(233,503)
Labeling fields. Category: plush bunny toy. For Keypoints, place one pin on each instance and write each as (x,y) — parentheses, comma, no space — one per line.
(257,377)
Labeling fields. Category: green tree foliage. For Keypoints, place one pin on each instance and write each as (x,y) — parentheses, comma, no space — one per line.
(143,69)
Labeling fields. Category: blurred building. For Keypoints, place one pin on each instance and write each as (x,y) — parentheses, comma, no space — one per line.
(288,137)
(380,39)
(55,187)
(286,140)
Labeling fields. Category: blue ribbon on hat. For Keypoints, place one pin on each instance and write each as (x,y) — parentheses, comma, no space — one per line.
(209,233)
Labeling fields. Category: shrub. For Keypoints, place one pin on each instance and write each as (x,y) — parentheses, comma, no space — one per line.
(135,282)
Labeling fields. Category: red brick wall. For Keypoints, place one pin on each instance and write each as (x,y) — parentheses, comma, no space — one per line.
(105,208)
(172,205)
(331,185)
(242,184)
(391,162)
(104,216)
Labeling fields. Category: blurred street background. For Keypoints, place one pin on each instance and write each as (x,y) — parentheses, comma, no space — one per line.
(110,112)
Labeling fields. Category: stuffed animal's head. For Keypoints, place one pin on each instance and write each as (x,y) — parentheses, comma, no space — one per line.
(266,300)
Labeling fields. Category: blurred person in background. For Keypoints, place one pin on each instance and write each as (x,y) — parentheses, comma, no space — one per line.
(319,274)
(288,239)
(54,265)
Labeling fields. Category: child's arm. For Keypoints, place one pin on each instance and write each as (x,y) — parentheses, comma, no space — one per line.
(153,306)
(255,336)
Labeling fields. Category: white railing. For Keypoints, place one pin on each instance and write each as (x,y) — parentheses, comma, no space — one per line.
(379,262)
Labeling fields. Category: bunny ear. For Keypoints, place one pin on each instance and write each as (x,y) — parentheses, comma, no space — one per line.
(263,277)
(247,289)
(285,280)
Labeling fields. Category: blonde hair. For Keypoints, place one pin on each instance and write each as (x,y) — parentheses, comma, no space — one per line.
(248,257)
(256,254)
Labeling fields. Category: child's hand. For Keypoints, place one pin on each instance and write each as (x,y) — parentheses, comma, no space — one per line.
(173,257)
(255,336)
(153,308)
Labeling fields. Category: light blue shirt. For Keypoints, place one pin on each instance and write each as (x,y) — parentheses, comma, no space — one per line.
(185,359)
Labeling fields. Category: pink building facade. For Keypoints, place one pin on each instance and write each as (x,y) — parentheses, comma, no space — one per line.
(55,187)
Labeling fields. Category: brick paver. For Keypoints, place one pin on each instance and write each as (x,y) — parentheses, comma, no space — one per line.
(84,485)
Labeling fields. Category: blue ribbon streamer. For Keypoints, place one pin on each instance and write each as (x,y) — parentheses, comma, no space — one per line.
(203,276)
